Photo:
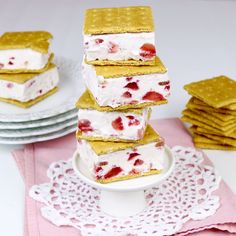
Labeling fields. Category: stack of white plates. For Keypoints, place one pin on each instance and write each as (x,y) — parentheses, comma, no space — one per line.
(51,118)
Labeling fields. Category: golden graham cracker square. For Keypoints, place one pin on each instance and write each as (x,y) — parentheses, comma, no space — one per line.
(203,139)
(36,40)
(195,116)
(216,92)
(121,71)
(118,20)
(222,140)
(126,177)
(31,102)
(20,71)
(208,117)
(192,104)
(101,147)
(206,126)
(85,102)
(21,78)
(214,146)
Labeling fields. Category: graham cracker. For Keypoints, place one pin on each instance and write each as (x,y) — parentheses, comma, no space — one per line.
(19,71)
(195,116)
(21,78)
(85,103)
(192,104)
(216,92)
(222,140)
(214,146)
(120,71)
(36,40)
(133,19)
(126,177)
(213,117)
(31,102)
(206,126)
(101,147)
(202,139)
(130,62)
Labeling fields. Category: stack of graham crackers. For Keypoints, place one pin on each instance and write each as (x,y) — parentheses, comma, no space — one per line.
(123,77)
(212,113)
(27,75)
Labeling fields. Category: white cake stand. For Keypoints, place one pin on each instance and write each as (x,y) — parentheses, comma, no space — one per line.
(124,198)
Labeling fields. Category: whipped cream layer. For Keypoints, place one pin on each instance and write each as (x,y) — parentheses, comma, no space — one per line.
(33,88)
(137,89)
(138,160)
(119,47)
(113,125)
(25,59)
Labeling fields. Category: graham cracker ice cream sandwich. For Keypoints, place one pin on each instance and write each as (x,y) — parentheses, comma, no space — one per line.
(25,51)
(119,86)
(95,123)
(26,89)
(115,161)
(119,36)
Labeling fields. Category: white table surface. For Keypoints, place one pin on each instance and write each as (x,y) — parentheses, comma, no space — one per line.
(196,39)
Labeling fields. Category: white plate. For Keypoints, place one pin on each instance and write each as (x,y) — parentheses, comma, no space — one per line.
(39,138)
(130,185)
(17,133)
(70,88)
(39,123)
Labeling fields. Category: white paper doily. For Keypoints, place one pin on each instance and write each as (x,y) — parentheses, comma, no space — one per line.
(186,194)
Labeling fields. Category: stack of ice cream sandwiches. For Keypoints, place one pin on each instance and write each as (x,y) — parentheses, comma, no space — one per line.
(27,75)
(123,78)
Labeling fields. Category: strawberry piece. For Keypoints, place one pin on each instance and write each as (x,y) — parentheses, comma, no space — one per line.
(85,125)
(40,91)
(133,155)
(113,47)
(132,85)
(98,41)
(1,65)
(130,117)
(10,85)
(12,58)
(10,63)
(138,162)
(103,163)
(167,87)
(113,172)
(127,94)
(117,124)
(133,102)
(148,50)
(160,143)
(163,83)
(98,168)
(133,172)
(153,96)
(129,78)
(133,122)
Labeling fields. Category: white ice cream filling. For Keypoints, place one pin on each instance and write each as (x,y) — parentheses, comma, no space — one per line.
(27,59)
(31,89)
(99,47)
(147,157)
(112,91)
(102,123)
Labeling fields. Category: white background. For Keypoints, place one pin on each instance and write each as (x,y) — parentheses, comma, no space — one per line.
(196,39)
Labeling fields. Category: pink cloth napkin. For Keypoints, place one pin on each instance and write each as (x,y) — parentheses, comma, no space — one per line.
(34,160)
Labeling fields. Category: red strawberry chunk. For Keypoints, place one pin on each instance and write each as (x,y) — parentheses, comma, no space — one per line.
(133,122)
(138,162)
(132,85)
(133,102)
(148,50)
(163,83)
(127,94)
(133,172)
(153,96)
(117,124)
(103,163)
(12,58)
(133,155)
(167,87)
(130,117)
(10,63)
(113,172)
(85,125)
(113,47)
(160,143)
(129,78)
(98,41)
(98,168)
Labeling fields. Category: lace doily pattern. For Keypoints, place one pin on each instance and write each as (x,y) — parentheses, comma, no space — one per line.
(186,194)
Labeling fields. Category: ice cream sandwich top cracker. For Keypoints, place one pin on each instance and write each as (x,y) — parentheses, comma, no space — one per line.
(36,40)
(134,19)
